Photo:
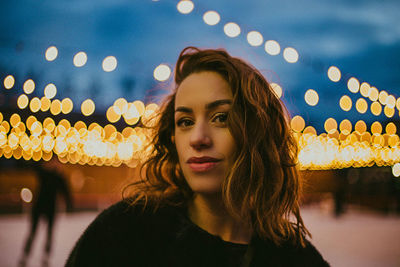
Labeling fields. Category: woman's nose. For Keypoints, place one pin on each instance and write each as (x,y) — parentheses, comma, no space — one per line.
(200,137)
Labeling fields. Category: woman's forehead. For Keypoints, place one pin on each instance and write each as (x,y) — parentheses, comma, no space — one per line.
(203,87)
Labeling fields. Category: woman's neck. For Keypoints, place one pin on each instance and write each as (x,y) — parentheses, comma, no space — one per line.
(209,213)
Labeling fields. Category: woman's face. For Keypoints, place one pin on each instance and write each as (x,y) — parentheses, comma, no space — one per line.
(203,141)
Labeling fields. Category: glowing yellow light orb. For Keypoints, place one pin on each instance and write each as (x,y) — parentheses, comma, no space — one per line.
(391,101)
(112,115)
(55,107)
(185,6)
(120,106)
(382,97)
(365,89)
(140,107)
(373,94)
(29,86)
(162,72)
(330,125)
(109,64)
(334,74)
(22,101)
(87,107)
(50,91)
(80,59)
(310,130)
(345,126)
(211,18)
(51,53)
(254,38)
(297,123)
(353,84)
(389,112)
(35,104)
(272,47)
(361,105)
(376,108)
(66,105)
(360,126)
(396,170)
(231,29)
(9,82)
(345,103)
(277,89)
(290,55)
(376,128)
(45,104)
(390,128)
(311,97)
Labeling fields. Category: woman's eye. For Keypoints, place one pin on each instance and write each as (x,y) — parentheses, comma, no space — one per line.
(184,123)
(221,118)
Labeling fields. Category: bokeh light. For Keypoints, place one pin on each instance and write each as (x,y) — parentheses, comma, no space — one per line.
(51,53)
(80,59)
(365,89)
(297,123)
(376,128)
(162,72)
(396,170)
(361,105)
(391,101)
(50,91)
(22,101)
(9,82)
(353,84)
(185,6)
(388,111)
(360,126)
(391,128)
(87,107)
(334,74)
(45,104)
(382,97)
(211,18)
(277,89)
(26,195)
(231,29)
(35,104)
(311,97)
(330,125)
(272,47)
(66,105)
(345,127)
(55,107)
(345,103)
(29,86)
(109,64)
(254,38)
(376,108)
(290,55)
(373,94)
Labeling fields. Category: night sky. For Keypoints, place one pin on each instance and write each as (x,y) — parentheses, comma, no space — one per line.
(361,38)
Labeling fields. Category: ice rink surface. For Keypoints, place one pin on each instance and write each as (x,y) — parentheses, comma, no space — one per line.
(358,238)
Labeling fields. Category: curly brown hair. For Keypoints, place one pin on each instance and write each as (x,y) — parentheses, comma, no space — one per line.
(263,185)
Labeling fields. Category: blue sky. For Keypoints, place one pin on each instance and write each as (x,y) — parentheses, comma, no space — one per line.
(362,38)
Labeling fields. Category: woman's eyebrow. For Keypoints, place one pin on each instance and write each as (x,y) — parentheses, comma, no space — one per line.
(208,106)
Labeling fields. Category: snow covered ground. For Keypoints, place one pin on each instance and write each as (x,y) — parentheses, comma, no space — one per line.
(356,239)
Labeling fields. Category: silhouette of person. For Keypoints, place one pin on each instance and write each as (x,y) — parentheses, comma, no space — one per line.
(50,183)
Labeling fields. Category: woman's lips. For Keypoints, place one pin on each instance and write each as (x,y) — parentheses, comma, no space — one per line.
(202,164)
(202,167)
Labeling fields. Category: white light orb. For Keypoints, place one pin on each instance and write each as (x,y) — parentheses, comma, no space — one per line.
(231,29)
(109,63)
(51,53)
(255,38)
(185,6)
(50,91)
(80,59)
(211,18)
(272,47)
(162,72)
(290,55)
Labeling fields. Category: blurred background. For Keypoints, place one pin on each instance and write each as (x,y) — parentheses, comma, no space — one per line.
(79,80)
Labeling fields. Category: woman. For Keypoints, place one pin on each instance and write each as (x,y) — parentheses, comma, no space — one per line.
(221,187)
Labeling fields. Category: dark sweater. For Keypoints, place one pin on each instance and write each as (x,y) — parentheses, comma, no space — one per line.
(123,235)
